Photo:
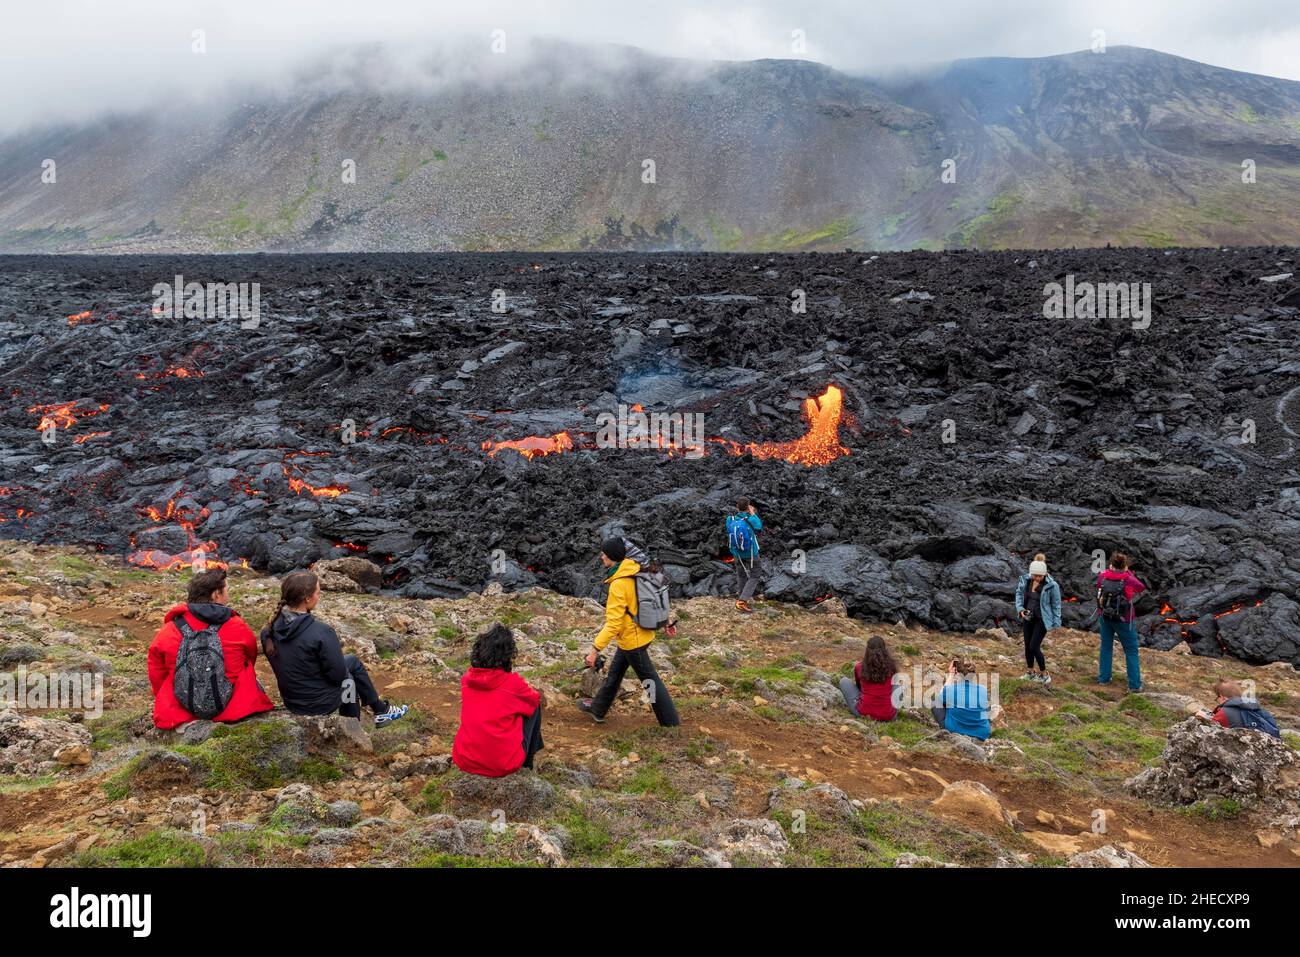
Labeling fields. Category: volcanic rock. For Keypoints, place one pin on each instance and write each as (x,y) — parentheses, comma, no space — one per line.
(1203,759)
(31,746)
(348,574)
(521,796)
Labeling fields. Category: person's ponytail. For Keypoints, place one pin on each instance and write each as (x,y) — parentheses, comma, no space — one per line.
(268,641)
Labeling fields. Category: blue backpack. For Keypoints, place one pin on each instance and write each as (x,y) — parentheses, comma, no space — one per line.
(740,535)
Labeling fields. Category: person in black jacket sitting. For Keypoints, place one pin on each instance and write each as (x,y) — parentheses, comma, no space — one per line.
(313,674)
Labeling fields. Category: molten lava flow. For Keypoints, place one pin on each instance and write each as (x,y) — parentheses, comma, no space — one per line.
(62,415)
(533,445)
(820,445)
(161,561)
(90,435)
(298,486)
(1239,606)
(78,318)
(198,552)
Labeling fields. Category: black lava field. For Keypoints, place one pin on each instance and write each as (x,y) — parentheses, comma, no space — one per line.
(911,440)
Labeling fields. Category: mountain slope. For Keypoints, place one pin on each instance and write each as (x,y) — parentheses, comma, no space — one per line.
(1132,147)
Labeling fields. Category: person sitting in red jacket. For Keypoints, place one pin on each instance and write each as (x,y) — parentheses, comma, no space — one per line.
(206,607)
(500,715)
(870,692)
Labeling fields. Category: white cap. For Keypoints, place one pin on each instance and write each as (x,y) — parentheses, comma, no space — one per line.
(1038,568)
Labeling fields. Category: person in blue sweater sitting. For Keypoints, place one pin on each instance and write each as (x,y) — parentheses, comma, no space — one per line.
(965,703)
(743,542)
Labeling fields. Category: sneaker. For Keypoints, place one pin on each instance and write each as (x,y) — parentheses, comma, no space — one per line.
(744,606)
(1045,678)
(584,705)
(395,712)
(1029,676)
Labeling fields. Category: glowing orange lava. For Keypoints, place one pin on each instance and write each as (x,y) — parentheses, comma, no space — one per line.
(820,445)
(533,445)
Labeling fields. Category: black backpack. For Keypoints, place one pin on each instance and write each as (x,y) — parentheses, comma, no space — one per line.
(1112,600)
(200,682)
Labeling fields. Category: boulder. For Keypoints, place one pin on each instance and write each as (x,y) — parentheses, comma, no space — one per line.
(1203,760)
(826,800)
(752,842)
(350,573)
(972,800)
(332,732)
(521,796)
(674,853)
(30,745)
(1108,855)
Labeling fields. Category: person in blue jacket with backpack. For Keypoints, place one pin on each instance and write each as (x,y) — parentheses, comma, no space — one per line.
(743,541)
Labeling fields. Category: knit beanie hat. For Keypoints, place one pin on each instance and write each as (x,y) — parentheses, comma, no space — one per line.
(614,549)
(1038,568)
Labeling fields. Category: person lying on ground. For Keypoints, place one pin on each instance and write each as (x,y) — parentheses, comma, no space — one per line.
(631,640)
(870,692)
(1234,709)
(500,714)
(965,703)
(217,674)
(313,674)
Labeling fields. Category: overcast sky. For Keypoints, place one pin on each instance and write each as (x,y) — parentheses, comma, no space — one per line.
(74,59)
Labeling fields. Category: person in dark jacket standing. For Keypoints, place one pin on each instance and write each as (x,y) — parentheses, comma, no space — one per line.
(1235,710)
(1038,606)
(313,674)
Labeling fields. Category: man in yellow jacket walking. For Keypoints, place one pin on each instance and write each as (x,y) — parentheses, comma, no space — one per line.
(632,641)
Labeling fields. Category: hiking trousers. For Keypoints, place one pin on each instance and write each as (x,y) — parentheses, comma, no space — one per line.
(638,659)
(1126,632)
(747,570)
(363,690)
(532,735)
(1034,631)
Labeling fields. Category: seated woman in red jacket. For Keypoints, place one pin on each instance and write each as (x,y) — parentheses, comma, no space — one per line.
(500,715)
(870,692)
(206,608)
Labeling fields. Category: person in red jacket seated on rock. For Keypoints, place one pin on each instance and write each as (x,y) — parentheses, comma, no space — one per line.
(206,608)
(870,692)
(500,715)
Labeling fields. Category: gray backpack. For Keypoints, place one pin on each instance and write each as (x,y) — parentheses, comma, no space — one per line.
(200,683)
(652,609)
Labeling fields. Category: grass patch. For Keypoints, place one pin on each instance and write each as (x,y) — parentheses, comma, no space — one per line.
(158,849)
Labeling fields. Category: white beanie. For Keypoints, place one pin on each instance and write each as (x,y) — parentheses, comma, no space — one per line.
(1038,568)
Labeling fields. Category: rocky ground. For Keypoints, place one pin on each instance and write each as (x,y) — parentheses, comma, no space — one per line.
(768,769)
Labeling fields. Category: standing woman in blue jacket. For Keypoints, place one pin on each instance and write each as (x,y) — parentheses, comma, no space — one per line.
(1038,606)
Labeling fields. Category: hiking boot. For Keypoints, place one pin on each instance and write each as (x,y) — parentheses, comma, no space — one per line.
(394,713)
(584,705)
(744,606)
